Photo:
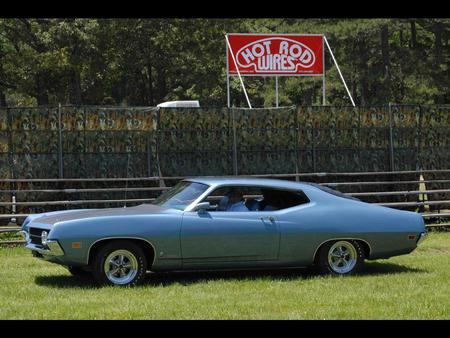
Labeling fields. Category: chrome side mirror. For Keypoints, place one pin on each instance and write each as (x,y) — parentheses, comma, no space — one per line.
(204,206)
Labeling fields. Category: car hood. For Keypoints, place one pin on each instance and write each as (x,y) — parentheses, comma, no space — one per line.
(69,215)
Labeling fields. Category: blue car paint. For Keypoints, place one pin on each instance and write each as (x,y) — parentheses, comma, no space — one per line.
(191,240)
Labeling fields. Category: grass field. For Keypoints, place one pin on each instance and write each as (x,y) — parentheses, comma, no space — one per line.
(414,286)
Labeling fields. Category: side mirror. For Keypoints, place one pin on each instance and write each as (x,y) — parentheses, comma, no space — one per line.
(204,206)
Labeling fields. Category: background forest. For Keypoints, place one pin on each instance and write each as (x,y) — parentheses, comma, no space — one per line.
(143,62)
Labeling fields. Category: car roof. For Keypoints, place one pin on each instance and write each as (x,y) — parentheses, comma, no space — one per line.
(251,181)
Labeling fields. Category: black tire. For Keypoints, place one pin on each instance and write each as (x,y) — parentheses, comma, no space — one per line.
(78,271)
(322,261)
(134,255)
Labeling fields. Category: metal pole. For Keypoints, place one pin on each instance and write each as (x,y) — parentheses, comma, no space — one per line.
(228,90)
(235,166)
(419,150)
(60,145)
(276,90)
(149,155)
(323,75)
(228,81)
(337,66)
(391,140)
(314,148)
(13,209)
(239,73)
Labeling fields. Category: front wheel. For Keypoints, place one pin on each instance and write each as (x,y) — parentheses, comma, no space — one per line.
(343,257)
(120,263)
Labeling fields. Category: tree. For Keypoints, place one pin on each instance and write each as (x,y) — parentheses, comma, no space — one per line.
(148,61)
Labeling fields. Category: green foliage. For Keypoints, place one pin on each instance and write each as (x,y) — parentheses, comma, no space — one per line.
(147,61)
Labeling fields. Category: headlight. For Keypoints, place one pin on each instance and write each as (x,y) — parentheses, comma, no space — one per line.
(44,236)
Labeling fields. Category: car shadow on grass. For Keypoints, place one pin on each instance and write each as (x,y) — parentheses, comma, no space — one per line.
(385,268)
(67,282)
(189,278)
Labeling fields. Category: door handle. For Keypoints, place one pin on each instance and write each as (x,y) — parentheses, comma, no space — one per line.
(271,219)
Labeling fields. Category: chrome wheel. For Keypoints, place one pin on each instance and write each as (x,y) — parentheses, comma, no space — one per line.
(121,266)
(342,257)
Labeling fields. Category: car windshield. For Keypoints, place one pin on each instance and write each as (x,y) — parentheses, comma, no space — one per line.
(181,195)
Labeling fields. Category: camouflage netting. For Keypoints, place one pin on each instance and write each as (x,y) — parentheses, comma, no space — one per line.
(111,142)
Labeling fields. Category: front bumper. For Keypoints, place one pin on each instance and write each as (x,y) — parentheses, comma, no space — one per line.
(52,247)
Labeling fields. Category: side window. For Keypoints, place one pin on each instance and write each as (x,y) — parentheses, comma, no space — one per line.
(245,198)
(230,198)
(278,199)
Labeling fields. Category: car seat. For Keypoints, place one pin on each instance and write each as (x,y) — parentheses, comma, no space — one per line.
(223,203)
(252,205)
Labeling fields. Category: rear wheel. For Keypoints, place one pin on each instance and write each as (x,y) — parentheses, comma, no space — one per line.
(343,257)
(120,263)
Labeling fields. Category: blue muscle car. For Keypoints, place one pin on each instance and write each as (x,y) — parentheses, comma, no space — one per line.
(224,223)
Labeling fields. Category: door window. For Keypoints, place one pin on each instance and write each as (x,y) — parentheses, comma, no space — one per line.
(248,199)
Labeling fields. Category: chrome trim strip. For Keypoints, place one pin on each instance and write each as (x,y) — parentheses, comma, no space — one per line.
(342,238)
(54,249)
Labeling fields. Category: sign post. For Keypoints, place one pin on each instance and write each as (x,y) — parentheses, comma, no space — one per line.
(276,91)
(340,74)
(324,84)
(238,72)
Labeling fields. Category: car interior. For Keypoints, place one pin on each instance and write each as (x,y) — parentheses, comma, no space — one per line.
(256,198)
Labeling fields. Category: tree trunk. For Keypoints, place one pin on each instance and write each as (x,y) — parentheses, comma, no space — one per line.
(440,78)
(41,90)
(2,94)
(75,87)
(364,67)
(2,98)
(437,29)
(151,97)
(352,90)
(385,48)
(402,40)
(161,85)
(385,56)
(413,35)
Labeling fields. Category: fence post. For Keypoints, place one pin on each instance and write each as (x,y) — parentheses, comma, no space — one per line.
(296,138)
(313,143)
(391,141)
(419,164)
(149,155)
(235,164)
(12,173)
(60,149)
(13,208)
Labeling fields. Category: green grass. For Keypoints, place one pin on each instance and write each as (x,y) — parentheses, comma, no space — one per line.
(414,286)
(10,236)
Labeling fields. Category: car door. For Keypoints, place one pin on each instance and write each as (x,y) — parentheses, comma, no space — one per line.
(228,237)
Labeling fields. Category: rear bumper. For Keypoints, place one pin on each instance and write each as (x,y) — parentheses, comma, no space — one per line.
(421,237)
